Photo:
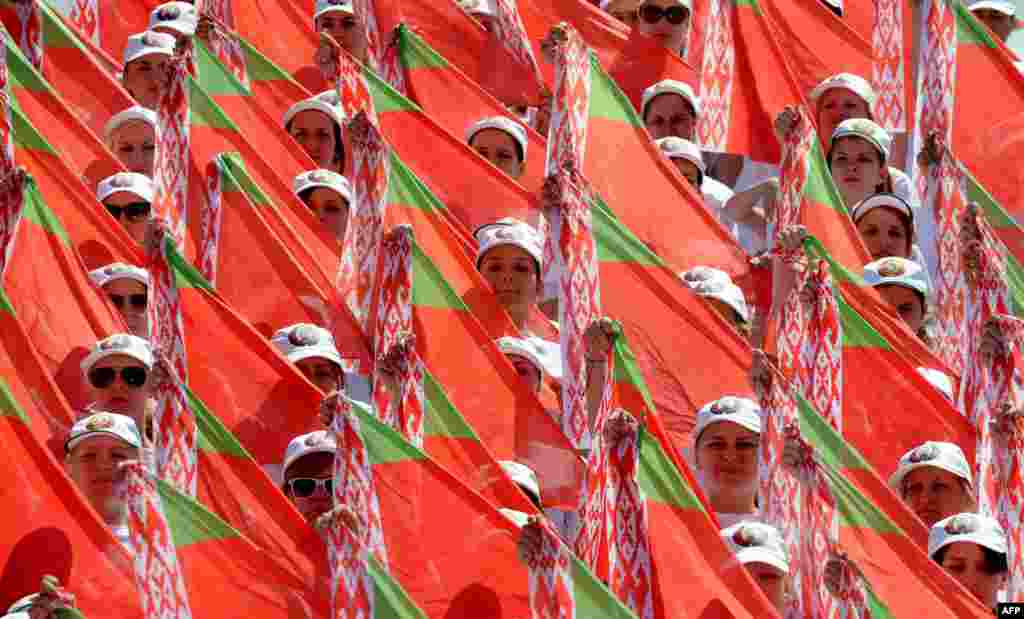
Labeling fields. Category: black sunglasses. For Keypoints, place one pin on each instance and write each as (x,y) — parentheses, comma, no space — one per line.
(138,301)
(133,376)
(305,487)
(675,15)
(134,211)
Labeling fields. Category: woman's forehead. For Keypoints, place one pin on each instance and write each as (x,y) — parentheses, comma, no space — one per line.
(503,253)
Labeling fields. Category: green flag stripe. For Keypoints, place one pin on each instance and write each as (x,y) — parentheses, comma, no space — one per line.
(185,275)
(994,213)
(213,76)
(878,608)
(189,522)
(235,177)
(970,31)
(592,598)
(9,407)
(627,371)
(21,71)
(212,436)
(406,189)
(658,478)
(383,444)
(261,68)
(615,243)
(442,419)
(385,98)
(204,111)
(415,53)
(390,600)
(606,100)
(5,304)
(820,188)
(55,34)
(429,287)
(37,212)
(25,134)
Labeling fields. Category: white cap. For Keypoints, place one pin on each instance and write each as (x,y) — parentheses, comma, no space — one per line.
(946,456)
(119,270)
(323,178)
(678,148)
(131,182)
(134,113)
(742,411)
(757,542)
(715,284)
(526,348)
(146,43)
(303,340)
(521,475)
(315,104)
(111,424)
(501,123)
(24,604)
(676,87)
(119,344)
(897,272)
(321,441)
(882,200)
(478,7)
(939,380)
(866,130)
(180,17)
(1006,8)
(854,83)
(974,528)
(333,6)
(509,231)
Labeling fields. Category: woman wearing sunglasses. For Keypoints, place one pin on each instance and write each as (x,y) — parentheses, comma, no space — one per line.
(117,375)
(127,196)
(668,21)
(127,287)
(308,473)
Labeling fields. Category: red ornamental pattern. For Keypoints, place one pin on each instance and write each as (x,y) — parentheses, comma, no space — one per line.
(85,15)
(173,151)
(211,216)
(717,75)
(510,31)
(12,203)
(551,582)
(794,171)
(176,448)
(31,42)
(357,272)
(366,14)
(353,487)
(1010,507)
(158,575)
(888,70)
(567,135)
(6,123)
(224,42)
(936,81)
(353,92)
(823,348)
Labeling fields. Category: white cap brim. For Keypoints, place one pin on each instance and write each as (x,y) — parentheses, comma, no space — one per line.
(98,355)
(134,113)
(761,555)
(146,51)
(1006,8)
(313,104)
(335,8)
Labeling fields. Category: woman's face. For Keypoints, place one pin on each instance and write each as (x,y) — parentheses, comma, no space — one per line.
(689,171)
(344,29)
(672,36)
(314,131)
(331,208)
(907,304)
(837,105)
(884,234)
(935,494)
(134,144)
(134,225)
(857,169)
(130,298)
(670,115)
(118,396)
(318,466)
(965,561)
(143,78)
(499,148)
(727,455)
(323,373)
(512,274)
(528,373)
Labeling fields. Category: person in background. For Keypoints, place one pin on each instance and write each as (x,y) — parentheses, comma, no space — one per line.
(338,19)
(127,287)
(998,15)
(178,19)
(329,195)
(145,66)
(118,375)
(973,550)
(903,284)
(314,353)
(935,481)
(502,141)
(726,445)
(131,136)
(484,11)
(686,157)
(626,11)
(128,197)
(762,552)
(725,297)
(886,225)
(317,126)
(526,479)
(308,473)
(526,359)
(667,21)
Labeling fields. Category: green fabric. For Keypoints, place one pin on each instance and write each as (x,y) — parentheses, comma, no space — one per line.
(212,436)
(659,480)
(213,76)
(627,371)
(749,3)
(429,287)
(970,31)
(390,600)
(857,332)
(615,243)
(189,521)
(261,68)
(606,100)
(25,134)
(383,444)
(877,607)
(37,212)
(406,189)
(385,98)
(5,303)
(55,34)
(415,53)
(234,177)
(839,272)
(204,111)
(994,213)
(592,598)
(185,275)
(22,73)
(820,187)
(9,407)
(1015,281)
(442,419)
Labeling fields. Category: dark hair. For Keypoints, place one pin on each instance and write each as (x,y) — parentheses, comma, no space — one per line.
(995,562)
(305,194)
(339,145)
(917,293)
(693,111)
(515,142)
(886,185)
(908,226)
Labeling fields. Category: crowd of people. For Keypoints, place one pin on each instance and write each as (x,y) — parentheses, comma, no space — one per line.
(935,479)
